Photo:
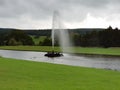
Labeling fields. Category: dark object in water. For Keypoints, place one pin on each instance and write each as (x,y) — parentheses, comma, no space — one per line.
(53,54)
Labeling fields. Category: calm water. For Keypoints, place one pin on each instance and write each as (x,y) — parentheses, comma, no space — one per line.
(75,60)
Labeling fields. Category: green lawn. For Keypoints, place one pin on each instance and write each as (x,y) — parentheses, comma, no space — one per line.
(103,51)
(87,50)
(28,75)
(31,48)
(37,40)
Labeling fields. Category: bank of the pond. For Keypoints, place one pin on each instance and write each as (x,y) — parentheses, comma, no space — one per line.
(28,75)
(77,50)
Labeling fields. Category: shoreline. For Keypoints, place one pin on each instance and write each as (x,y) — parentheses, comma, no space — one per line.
(78,54)
(95,55)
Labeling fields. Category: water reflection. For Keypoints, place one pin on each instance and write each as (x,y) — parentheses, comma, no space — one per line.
(75,60)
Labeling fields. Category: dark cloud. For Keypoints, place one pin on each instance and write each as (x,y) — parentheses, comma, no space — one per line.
(44,7)
(72,10)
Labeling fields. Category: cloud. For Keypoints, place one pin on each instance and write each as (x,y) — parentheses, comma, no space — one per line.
(71,10)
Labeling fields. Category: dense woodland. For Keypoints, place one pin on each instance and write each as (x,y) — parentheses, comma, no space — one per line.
(106,38)
(81,37)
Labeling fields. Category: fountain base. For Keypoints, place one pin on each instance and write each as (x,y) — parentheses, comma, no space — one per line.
(53,54)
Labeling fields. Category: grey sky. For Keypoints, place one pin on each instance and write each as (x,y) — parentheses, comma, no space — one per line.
(38,13)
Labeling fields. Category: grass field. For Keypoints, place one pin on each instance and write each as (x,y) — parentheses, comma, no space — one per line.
(28,75)
(81,50)
(37,40)
(30,48)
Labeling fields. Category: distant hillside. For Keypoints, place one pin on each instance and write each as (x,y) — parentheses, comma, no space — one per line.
(5,30)
(85,30)
(47,32)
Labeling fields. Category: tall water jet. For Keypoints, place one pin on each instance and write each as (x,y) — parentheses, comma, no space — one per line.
(59,34)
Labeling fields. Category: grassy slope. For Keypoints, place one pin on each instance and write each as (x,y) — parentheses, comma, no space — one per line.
(105,51)
(27,75)
(37,40)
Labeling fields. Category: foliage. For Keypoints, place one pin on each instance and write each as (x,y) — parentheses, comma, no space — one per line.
(109,38)
(2,39)
(105,38)
(76,38)
(38,40)
(18,37)
(81,37)
(13,42)
(46,42)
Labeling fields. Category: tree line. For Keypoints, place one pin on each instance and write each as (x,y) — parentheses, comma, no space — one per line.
(103,38)
(15,37)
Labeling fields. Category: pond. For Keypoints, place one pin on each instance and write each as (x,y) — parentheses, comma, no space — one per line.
(105,62)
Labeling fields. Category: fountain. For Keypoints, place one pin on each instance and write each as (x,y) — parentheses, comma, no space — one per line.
(61,34)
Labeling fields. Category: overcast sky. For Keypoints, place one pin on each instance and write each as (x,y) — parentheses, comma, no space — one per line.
(29,14)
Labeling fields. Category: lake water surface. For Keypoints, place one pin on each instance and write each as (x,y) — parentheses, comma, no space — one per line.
(104,62)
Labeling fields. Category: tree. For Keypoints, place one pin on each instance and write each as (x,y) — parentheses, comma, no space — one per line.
(109,37)
(76,38)
(20,37)
(109,28)
(13,42)
(46,42)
